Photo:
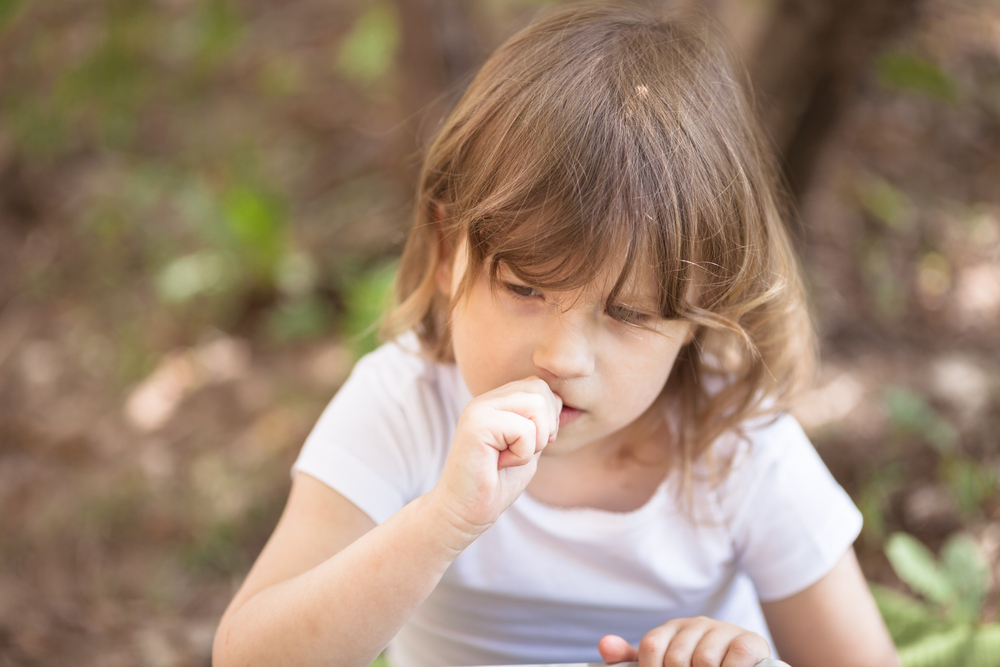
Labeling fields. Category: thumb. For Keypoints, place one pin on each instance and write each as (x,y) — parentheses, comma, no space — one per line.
(615,649)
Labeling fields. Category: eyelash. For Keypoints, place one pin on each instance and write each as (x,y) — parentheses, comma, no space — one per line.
(624,315)
(522,290)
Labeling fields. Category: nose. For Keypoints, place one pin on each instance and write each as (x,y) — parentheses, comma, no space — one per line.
(564,348)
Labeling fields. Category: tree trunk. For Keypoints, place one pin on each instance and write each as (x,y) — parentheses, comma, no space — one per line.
(808,66)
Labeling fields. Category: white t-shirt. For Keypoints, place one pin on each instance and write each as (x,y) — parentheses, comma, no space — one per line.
(544,584)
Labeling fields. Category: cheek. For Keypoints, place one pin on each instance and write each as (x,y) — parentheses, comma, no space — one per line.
(485,351)
(646,374)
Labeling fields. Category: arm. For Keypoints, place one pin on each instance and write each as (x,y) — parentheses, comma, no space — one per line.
(833,623)
(305,581)
(331,587)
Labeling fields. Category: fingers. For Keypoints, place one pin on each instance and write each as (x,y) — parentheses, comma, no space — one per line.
(530,399)
(614,649)
(746,649)
(655,646)
(516,438)
(701,642)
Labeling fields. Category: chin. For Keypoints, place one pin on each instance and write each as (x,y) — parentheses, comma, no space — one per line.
(558,449)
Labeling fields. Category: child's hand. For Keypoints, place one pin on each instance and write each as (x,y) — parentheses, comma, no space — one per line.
(689,642)
(495,451)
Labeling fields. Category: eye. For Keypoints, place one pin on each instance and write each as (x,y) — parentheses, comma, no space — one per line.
(522,290)
(629,316)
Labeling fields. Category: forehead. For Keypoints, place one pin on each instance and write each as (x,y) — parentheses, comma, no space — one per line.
(611,250)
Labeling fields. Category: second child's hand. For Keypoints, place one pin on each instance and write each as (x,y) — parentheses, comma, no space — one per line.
(686,642)
(495,451)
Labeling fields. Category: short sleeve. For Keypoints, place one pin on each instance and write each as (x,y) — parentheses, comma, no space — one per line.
(382,440)
(789,520)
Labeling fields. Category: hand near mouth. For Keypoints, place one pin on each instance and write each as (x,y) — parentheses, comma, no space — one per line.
(494,454)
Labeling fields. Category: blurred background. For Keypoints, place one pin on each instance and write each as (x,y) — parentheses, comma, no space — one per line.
(200,206)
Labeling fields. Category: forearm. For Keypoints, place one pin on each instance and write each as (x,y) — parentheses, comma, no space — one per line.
(345,610)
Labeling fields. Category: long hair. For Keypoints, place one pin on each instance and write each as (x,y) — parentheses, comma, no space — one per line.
(620,136)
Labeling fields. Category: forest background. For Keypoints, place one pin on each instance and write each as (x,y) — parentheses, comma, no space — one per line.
(200,206)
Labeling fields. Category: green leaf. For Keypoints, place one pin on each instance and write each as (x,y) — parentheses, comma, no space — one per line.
(883,201)
(910,413)
(907,409)
(368,295)
(8,10)
(944,649)
(907,618)
(914,564)
(220,29)
(303,318)
(968,573)
(194,274)
(985,648)
(873,499)
(905,72)
(368,50)
(971,482)
(257,223)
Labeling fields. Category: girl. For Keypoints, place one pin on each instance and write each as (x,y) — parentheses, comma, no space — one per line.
(573,448)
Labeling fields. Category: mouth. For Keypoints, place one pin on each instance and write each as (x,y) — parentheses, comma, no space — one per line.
(568,415)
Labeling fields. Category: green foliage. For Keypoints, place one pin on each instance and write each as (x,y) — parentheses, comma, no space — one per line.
(971,482)
(905,72)
(8,10)
(873,498)
(969,576)
(222,547)
(191,275)
(908,619)
(108,87)
(914,563)
(301,318)
(218,550)
(141,54)
(910,414)
(884,201)
(367,296)
(959,647)
(219,29)
(367,52)
(888,291)
(256,220)
(242,231)
(943,630)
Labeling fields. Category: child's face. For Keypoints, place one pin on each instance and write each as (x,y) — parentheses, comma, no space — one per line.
(606,372)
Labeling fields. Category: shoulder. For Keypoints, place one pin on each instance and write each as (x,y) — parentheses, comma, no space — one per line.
(757,443)
(398,372)
(789,519)
(385,435)
(399,359)
(398,387)
(763,451)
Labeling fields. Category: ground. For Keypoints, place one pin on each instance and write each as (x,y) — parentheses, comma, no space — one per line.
(196,206)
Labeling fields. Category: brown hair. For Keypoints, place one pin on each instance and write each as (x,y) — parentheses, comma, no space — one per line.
(621,134)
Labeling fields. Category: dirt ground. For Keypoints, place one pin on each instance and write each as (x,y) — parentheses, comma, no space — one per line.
(146,440)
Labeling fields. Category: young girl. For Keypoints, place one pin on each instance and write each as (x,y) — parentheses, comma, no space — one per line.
(573,448)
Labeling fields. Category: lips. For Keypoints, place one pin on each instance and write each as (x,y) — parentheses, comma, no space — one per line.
(568,415)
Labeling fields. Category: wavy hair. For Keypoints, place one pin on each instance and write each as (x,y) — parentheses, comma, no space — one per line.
(607,136)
